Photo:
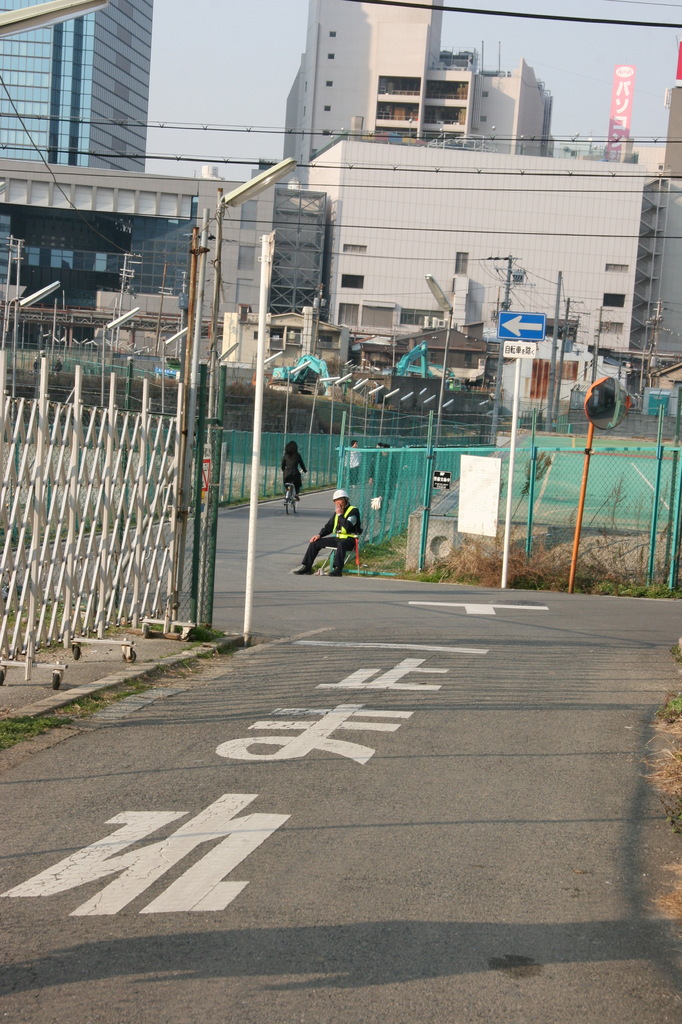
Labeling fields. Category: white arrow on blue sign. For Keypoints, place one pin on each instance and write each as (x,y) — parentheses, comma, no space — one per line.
(520,326)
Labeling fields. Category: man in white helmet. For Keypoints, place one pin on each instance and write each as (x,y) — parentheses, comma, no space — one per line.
(340,532)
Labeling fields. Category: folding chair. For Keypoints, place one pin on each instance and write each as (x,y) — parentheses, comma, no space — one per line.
(324,568)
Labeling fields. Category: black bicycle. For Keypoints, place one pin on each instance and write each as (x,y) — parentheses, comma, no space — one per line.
(290,498)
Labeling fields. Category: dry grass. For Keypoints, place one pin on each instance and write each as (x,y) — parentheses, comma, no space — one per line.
(603,567)
(666,777)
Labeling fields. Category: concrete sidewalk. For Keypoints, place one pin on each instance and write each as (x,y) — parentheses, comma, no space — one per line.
(100,666)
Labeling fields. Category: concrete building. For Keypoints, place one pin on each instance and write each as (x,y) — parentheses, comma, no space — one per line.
(81,88)
(114,237)
(291,334)
(376,70)
(468,218)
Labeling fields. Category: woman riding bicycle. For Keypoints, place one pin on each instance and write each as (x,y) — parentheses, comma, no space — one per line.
(291,460)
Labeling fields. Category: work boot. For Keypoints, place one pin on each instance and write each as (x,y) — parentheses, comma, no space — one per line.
(301,571)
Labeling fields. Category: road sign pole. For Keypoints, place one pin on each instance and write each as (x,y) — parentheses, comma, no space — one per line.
(510,480)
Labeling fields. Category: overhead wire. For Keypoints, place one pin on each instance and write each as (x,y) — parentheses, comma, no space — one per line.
(572,18)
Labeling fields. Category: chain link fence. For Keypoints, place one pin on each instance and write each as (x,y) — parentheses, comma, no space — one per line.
(631,522)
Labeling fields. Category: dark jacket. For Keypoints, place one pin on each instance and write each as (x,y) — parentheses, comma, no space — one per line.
(290,464)
(349,522)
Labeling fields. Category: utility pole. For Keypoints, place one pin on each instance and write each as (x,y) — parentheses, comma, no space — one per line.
(213,361)
(130,260)
(656,322)
(500,356)
(551,385)
(560,373)
(595,349)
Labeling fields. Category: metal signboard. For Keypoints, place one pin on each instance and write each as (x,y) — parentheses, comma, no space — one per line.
(520,349)
(442,480)
(520,326)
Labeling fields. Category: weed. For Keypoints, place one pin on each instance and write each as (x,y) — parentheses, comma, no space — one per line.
(13,730)
(672,709)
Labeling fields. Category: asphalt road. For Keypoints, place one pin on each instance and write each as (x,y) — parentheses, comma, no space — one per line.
(393,812)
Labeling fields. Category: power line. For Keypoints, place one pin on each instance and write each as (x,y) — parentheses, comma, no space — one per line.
(233,129)
(520,14)
(480,172)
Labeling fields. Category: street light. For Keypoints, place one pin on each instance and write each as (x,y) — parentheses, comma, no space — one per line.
(447,307)
(44,15)
(383,407)
(28,300)
(358,384)
(117,322)
(169,341)
(249,190)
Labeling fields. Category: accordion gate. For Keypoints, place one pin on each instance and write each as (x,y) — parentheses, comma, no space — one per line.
(89,517)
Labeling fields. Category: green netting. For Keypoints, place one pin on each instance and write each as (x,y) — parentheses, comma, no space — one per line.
(631,512)
(319,453)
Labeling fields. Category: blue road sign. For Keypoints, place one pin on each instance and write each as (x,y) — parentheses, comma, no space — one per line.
(520,326)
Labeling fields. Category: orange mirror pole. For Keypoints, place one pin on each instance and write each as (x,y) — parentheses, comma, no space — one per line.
(581,507)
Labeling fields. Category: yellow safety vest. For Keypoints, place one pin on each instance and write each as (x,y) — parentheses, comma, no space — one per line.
(343,534)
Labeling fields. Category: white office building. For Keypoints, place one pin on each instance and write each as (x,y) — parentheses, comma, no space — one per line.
(399,212)
(379,70)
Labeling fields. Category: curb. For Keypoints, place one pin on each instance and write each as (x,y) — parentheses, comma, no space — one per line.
(61,700)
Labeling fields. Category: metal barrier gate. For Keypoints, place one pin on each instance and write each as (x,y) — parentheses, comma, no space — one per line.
(88,517)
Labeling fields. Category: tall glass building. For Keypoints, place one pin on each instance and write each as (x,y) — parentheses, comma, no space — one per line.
(81,88)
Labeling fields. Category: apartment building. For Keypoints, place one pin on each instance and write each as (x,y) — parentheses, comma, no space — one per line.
(379,71)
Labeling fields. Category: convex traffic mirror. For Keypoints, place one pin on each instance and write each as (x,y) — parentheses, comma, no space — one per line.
(607,403)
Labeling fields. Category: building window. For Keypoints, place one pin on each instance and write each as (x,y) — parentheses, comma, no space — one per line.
(328,83)
(485,93)
(399,86)
(247,217)
(611,327)
(332,34)
(447,90)
(613,299)
(483,118)
(330,56)
(415,316)
(397,111)
(617,268)
(351,247)
(352,281)
(246,257)
(377,316)
(348,313)
(461,262)
(327,108)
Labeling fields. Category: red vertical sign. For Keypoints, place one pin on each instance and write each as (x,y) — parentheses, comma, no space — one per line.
(621,109)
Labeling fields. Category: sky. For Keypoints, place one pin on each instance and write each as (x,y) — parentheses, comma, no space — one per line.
(233,62)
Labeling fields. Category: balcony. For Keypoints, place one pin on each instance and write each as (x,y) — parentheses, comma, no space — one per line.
(392,112)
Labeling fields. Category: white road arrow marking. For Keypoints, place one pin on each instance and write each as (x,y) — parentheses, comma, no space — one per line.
(482,609)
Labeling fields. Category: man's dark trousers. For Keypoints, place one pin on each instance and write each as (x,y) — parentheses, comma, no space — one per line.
(342,545)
